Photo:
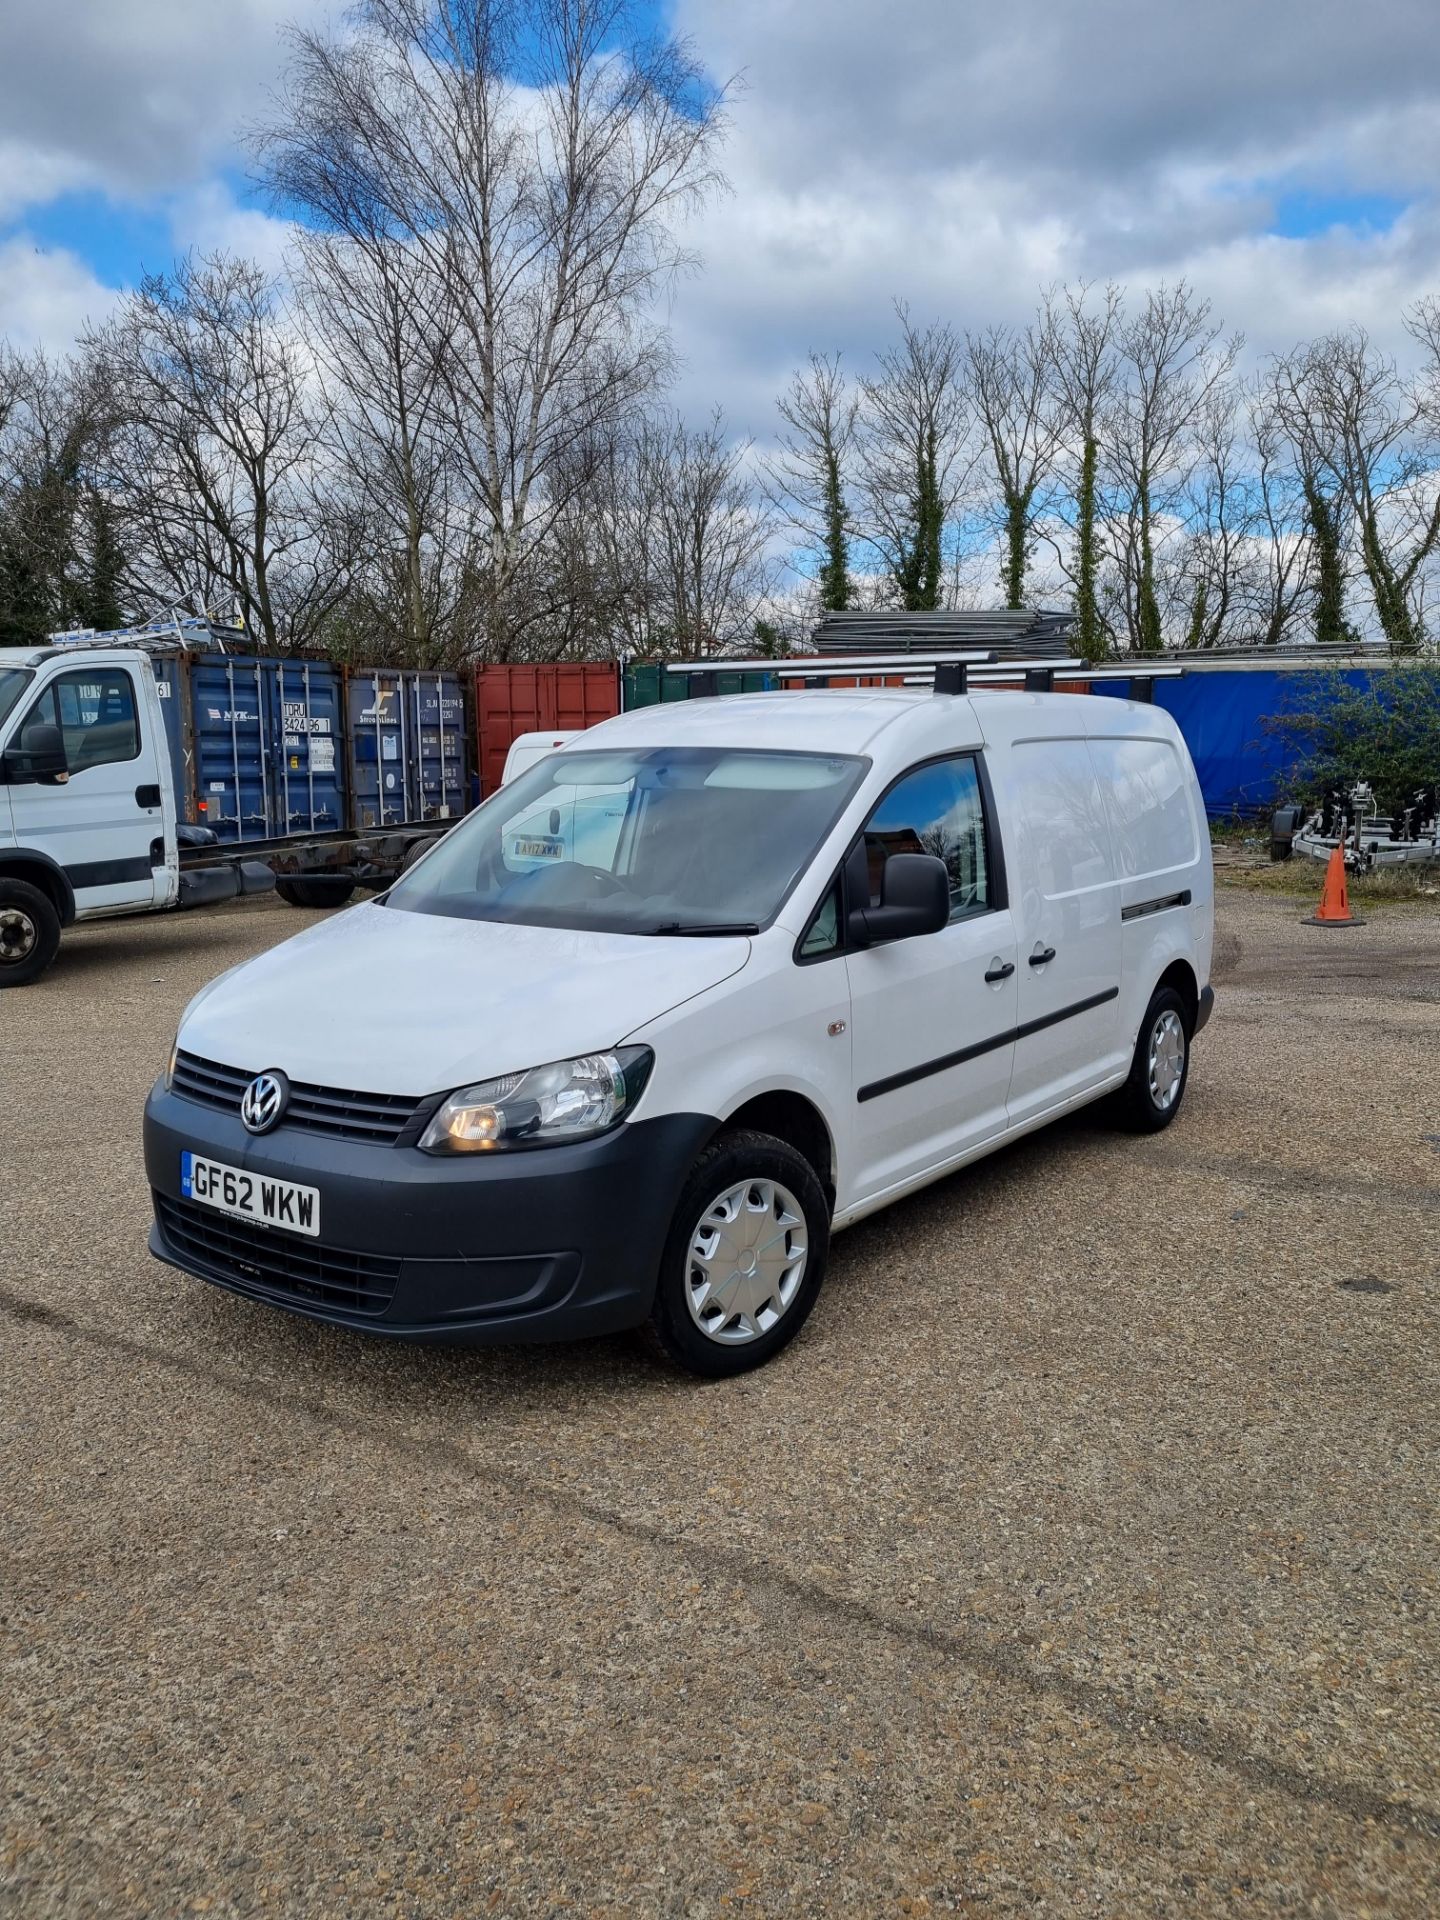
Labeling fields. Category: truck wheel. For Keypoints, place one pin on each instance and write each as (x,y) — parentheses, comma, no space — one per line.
(1150,1098)
(316,890)
(29,932)
(745,1257)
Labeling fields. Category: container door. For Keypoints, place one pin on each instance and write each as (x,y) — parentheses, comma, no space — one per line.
(435,769)
(308,792)
(379,726)
(232,751)
(507,703)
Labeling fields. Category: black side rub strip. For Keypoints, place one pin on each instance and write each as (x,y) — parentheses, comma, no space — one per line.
(1142,907)
(948,1060)
(110,873)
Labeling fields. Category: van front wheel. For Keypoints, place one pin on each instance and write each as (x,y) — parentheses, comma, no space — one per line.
(745,1256)
(29,933)
(1150,1098)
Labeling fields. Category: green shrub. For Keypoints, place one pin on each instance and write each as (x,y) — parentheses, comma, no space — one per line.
(1386,731)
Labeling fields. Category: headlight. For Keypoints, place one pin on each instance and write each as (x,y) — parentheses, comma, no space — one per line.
(170,1063)
(568,1100)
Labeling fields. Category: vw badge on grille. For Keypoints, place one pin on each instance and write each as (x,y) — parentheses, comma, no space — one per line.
(263,1103)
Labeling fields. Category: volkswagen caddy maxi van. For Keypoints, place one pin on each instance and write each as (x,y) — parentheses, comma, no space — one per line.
(714,980)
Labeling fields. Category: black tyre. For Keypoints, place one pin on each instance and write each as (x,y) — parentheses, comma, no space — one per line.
(1151,1097)
(745,1256)
(1283,824)
(316,890)
(29,932)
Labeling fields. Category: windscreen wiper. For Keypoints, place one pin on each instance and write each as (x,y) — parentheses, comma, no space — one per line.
(699,927)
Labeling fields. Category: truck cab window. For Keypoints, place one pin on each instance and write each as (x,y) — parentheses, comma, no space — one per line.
(937,809)
(96,713)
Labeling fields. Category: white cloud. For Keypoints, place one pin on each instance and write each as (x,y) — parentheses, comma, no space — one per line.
(962,157)
(209,219)
(47,296)
(138,97)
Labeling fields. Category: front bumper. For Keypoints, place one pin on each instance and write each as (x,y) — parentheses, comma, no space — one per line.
(554,1243)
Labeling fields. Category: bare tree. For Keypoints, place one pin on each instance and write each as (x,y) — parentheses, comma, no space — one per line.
(1012,378)
(535,156)
(58,552)
(1084,368)
(218,445)
(1216,552)
(1169,367)
(687,540)
(378,328)
(1371,437)
(806,477)
(1288,563)
(914,426)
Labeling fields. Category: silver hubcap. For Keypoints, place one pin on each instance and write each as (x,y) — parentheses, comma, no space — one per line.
(746,1261)
(1167,1059)
(17,934)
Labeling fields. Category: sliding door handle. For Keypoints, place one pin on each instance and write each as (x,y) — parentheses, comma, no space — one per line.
(1041,955)
(1000,970)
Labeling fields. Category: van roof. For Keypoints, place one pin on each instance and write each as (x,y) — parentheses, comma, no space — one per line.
(849,720)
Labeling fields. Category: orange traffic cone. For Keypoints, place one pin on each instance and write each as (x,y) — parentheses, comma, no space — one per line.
(1334,907)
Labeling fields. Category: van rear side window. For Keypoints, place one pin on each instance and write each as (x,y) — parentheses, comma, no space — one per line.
(1148,800)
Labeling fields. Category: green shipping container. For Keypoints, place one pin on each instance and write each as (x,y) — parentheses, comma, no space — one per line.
(647,684)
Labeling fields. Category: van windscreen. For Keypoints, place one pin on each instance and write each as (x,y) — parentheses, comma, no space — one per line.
(638,840)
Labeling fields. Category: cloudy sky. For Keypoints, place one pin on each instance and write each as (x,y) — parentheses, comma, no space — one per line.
(1283,154)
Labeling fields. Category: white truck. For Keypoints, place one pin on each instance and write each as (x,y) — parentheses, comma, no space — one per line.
(89,824)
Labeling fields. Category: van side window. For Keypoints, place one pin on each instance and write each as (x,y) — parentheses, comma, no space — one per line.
(823,934)
(95,710)
(936,809)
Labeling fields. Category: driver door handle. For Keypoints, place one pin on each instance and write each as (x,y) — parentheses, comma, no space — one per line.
(1002,971)
(147,796)
(1041,955)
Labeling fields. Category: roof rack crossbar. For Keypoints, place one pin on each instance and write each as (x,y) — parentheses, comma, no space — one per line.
(945,673)
(836,666)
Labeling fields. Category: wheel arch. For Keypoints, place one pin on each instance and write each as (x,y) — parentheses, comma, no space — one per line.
(793,1118)
(1180,976)
(39,870)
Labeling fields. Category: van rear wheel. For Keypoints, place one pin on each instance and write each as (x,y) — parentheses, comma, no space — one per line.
(29,933)
(1150,1098)
(744,1259)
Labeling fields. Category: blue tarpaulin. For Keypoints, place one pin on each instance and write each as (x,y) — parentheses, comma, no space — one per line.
(1240,763)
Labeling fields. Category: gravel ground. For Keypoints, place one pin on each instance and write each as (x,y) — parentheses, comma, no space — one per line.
(1080,1557)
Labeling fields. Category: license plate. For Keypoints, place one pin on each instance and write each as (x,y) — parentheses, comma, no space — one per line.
(539,849)
(250,1196)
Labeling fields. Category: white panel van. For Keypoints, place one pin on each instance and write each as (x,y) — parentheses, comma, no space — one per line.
(685,997)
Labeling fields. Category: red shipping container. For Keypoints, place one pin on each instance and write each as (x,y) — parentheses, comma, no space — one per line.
(536,698)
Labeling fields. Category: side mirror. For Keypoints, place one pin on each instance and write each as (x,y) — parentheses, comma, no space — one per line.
(914,899)
(37,756)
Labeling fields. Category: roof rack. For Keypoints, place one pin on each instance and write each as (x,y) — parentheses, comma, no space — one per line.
(948,672)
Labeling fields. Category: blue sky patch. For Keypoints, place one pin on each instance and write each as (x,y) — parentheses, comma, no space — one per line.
(1298,214)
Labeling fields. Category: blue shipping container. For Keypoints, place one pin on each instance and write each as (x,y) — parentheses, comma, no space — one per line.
(255,745)
(407,746)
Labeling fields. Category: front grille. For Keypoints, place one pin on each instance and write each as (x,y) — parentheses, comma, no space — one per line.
(263,1260)
(378,1117)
